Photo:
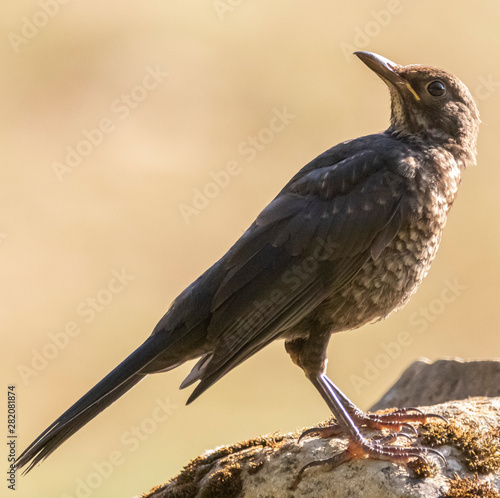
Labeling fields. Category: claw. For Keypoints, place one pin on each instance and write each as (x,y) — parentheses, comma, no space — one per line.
(410,427)
(332,462)
(313,431)
(323,432)
(434,415)
(437,454)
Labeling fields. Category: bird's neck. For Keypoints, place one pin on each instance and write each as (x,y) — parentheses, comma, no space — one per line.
(463,149)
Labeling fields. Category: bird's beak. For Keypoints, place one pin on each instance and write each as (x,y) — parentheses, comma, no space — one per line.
(387,70)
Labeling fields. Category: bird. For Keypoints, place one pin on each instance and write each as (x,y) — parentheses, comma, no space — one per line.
(347,241)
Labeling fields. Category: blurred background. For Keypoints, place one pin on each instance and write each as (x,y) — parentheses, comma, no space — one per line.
(136,147)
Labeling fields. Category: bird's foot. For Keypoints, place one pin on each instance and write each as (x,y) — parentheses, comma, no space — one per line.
(360,448)
(394,421)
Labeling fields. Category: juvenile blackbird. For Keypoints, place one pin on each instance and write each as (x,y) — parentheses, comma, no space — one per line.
(346,242)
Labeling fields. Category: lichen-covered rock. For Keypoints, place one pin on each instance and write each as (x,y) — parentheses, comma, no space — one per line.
(267,466)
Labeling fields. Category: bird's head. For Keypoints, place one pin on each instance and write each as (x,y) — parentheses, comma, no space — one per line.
(428,102)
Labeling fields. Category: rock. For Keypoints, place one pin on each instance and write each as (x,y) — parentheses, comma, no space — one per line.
(426,383)
(267,466)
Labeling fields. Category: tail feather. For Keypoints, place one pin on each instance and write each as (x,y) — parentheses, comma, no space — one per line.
(103,394)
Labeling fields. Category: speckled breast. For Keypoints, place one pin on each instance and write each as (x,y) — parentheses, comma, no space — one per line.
(385,284)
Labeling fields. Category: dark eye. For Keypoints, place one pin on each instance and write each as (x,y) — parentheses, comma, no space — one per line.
(436,88)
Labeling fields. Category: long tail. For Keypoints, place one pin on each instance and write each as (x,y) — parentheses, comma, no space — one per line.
(108,390)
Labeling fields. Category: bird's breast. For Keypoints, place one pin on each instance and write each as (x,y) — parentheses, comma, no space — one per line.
(386,283)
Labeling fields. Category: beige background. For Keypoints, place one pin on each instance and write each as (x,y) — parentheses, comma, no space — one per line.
(226,71)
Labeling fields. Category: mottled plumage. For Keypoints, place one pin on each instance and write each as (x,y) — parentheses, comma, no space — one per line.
(347,241)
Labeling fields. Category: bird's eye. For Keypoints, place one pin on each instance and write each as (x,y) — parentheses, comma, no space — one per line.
(436,88)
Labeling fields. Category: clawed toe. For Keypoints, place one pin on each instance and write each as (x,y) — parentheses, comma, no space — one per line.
(333,462)
(326,432)
(397,419)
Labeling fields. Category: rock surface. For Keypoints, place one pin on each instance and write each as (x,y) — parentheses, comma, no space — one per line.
(267,466)
(428,383)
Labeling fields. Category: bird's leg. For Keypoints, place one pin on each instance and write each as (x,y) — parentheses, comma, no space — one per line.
(358,447)
(393,421)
